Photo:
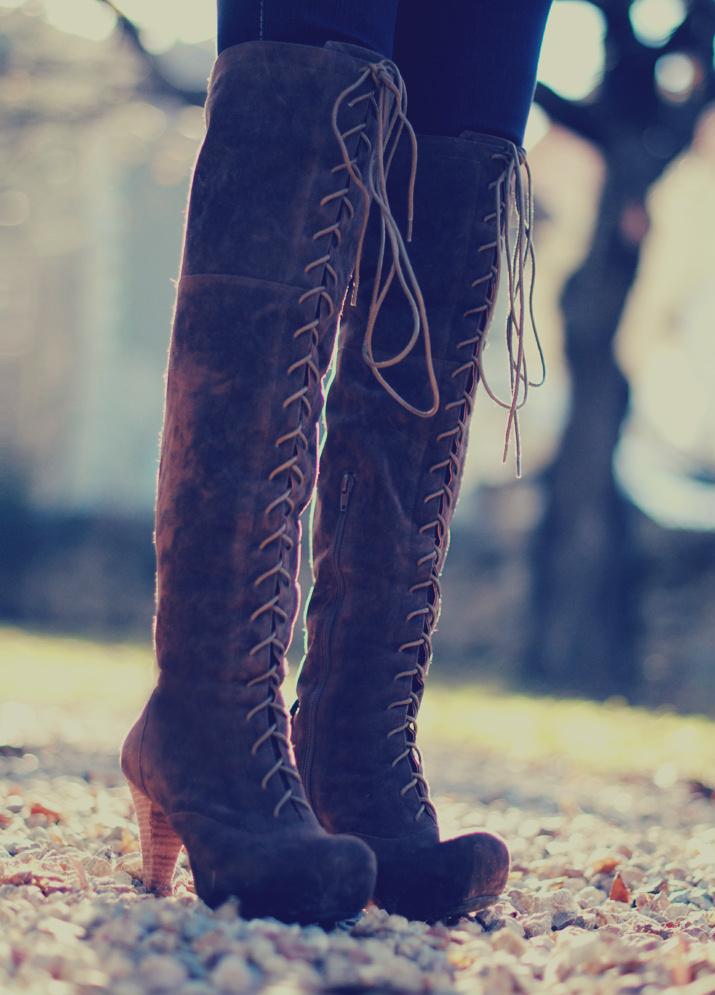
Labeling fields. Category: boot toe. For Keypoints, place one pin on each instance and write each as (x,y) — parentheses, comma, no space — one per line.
(323,881)
(312,878)
(441,880)
(346,879)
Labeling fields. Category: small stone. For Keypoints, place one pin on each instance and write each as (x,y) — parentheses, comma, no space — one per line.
(122,878)
(509,941)
(590,896)
(228,912)
(536,925)
(162,973)
(98,867)
(563,900)
(563,919)
(126,987)
(231,975)
(703,899)
(523,901)
(197,988)
(514,926)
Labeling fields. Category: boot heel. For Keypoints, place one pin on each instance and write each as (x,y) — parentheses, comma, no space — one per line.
(159,844)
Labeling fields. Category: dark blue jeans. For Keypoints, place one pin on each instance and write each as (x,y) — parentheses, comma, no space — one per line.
(468,64)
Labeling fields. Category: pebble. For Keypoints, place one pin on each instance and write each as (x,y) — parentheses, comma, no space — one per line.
(231,975)
(73,920)
(162,974)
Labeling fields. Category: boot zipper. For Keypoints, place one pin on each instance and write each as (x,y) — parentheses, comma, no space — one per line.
(346,487)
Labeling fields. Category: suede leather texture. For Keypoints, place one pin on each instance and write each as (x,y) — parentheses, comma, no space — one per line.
(404,475)
(253,333)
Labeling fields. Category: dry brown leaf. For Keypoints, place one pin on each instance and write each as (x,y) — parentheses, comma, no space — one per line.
(619,891)
(46,882)
(606,865)
(128,843)
(37,808)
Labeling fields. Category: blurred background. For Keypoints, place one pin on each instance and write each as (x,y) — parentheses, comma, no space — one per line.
(594,575)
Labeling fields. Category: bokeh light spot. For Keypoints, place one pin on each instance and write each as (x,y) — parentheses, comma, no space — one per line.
(654,21)
(572,56)
(676,75)
(86,18)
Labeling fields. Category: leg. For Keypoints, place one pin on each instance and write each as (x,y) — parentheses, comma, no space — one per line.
(271,241)
(387,490)
(486,81)
(370,23)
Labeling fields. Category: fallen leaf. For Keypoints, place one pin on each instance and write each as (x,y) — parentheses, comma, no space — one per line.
(37,808)
(619,891)
(47,883)
(606,865)
(127,844)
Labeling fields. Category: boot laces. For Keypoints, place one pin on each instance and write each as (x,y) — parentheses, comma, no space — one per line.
(289,469)
(513,196)
(390,108)
(510,191)
(408,729)
(278,721)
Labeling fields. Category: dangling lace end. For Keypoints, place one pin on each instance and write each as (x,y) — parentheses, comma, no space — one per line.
(513,425)
(411,187)
(515,197)
(390,107)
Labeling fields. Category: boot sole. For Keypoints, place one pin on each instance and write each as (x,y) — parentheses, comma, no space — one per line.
(476,904)
(161,845)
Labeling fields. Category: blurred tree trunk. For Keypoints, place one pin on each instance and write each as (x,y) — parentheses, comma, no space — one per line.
(585,581)
(584,557)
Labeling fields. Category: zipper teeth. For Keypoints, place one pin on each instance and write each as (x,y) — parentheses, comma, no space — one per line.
(346,487)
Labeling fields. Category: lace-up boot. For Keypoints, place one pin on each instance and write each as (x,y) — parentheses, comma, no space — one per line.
(276,212)
(387,489)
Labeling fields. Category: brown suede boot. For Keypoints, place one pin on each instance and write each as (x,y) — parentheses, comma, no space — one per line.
(276,213)
(387,489)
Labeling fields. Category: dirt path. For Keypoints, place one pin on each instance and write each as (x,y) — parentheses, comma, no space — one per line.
(73,920)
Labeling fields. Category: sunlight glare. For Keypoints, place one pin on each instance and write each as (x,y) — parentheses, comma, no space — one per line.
(164,22)
(573,52)
(654,21)
(536,126)
(676,74)
(161,22)
(85,18)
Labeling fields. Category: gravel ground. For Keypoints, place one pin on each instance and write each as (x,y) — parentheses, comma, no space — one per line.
(611,891)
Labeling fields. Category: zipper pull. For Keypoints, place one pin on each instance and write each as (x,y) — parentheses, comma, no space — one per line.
(346,486)
(294,708)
